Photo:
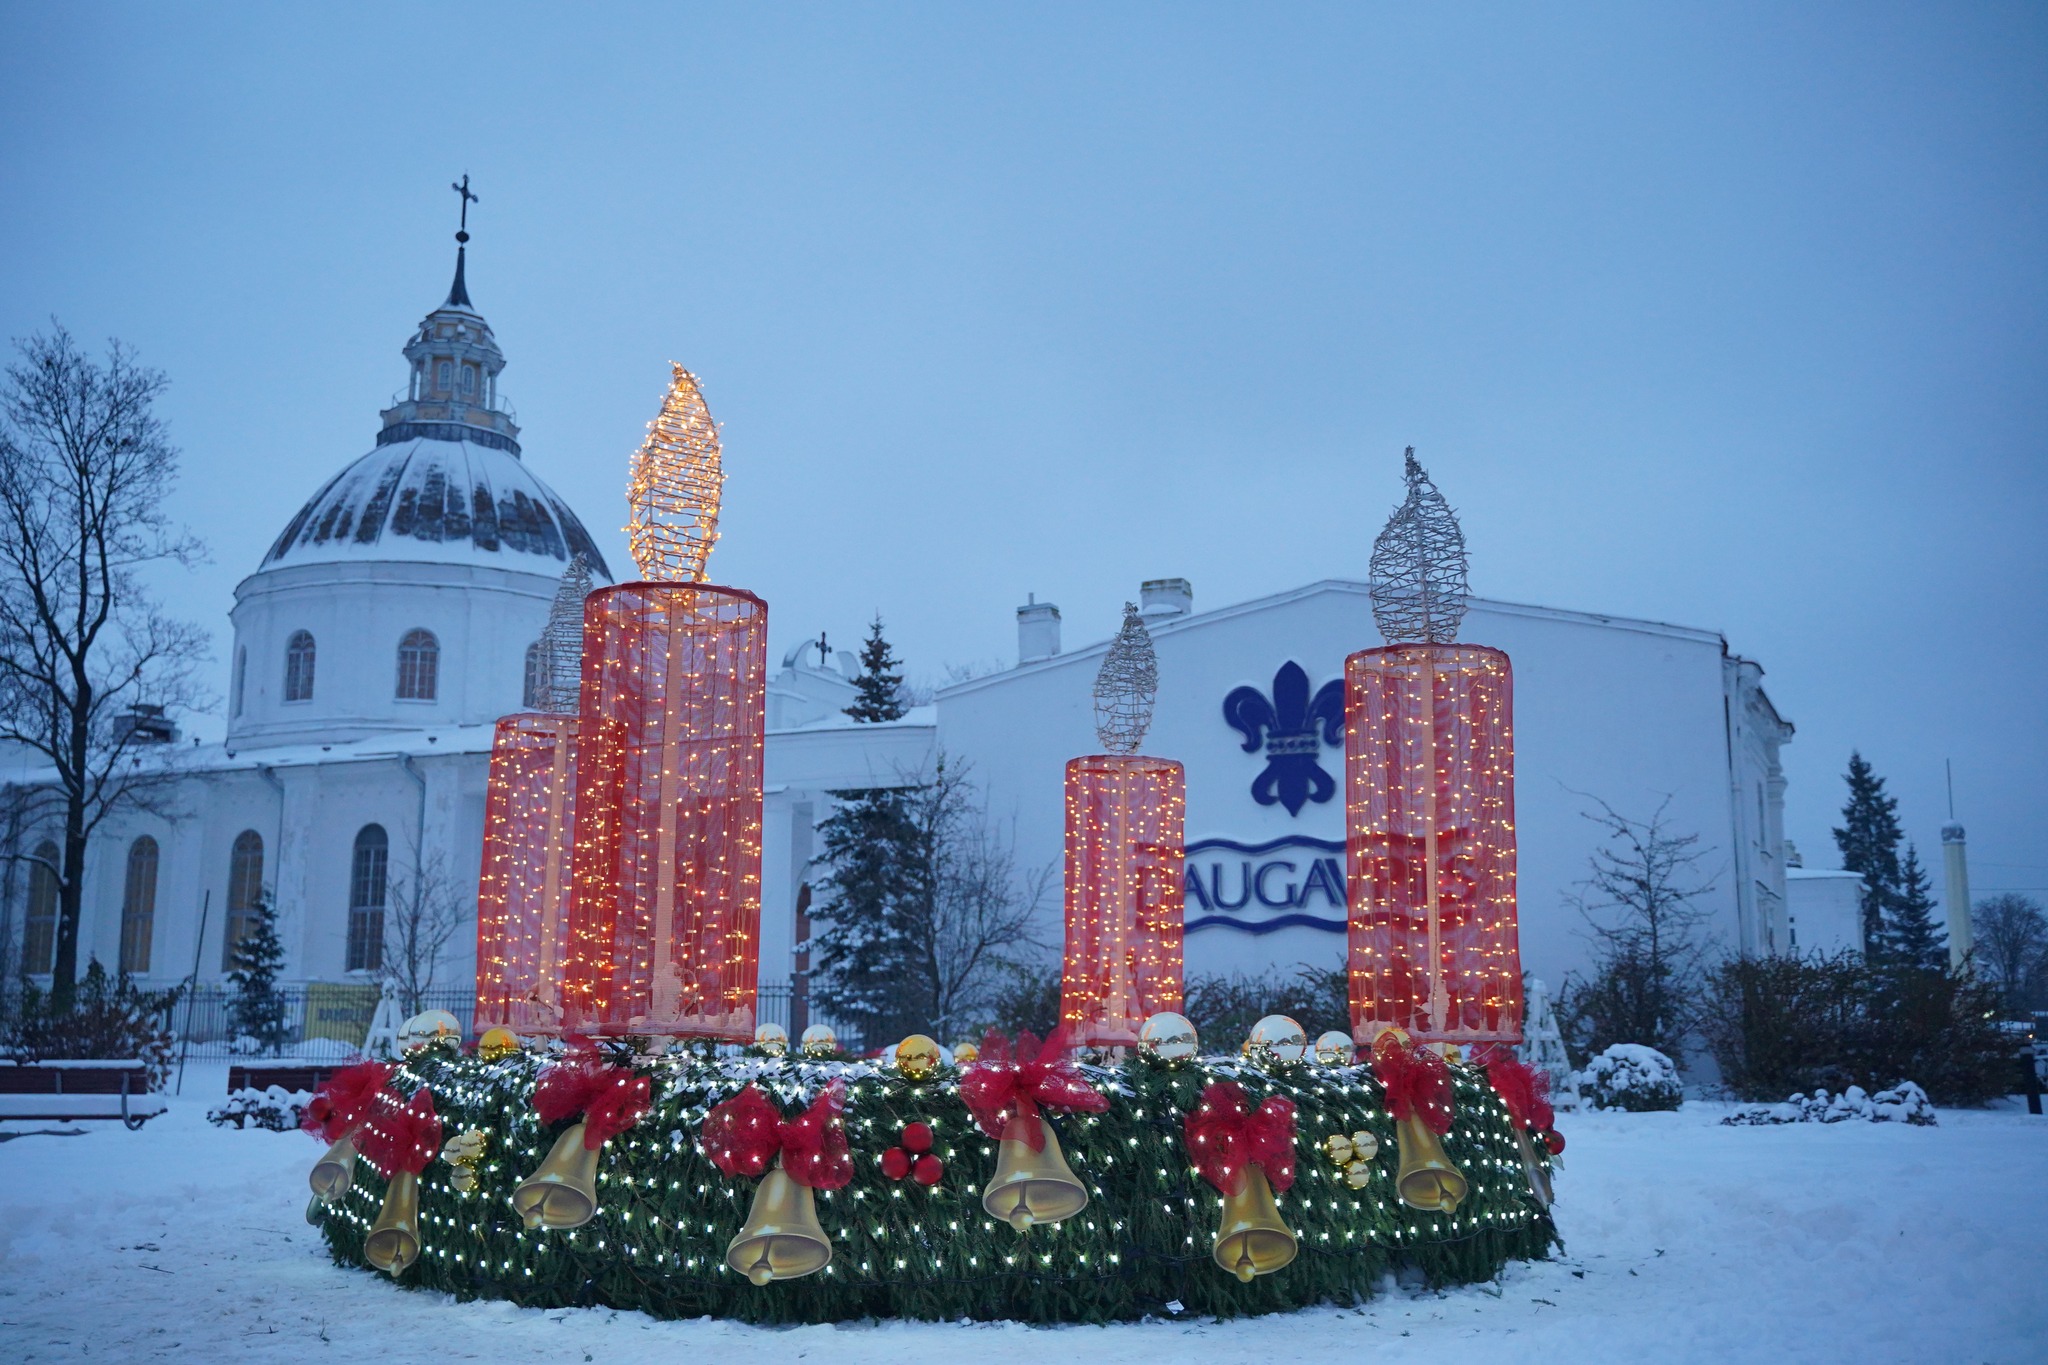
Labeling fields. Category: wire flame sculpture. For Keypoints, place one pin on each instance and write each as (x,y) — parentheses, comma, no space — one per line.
(1126,687)
(677,481)
(1419,578)
(561,642)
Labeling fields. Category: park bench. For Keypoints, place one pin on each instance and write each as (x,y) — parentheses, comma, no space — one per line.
(287,1078)
(63,1091)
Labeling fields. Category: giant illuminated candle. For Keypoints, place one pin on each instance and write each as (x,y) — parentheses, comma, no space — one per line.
(1125,854)
(1429,777)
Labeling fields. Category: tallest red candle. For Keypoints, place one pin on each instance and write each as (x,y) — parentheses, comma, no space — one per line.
(666,913)
(1429,779)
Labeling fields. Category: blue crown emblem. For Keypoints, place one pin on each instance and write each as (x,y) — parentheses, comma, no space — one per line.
(1294,727)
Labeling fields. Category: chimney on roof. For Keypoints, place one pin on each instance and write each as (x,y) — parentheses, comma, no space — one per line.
(1038,630)
(1162,599)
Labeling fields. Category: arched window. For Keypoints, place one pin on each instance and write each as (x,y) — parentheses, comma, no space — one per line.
(241,677)
(39,934)
(368,873)
(441,376)
(419,666)
(138,905)
(468,379)
(530,697)
(245,893)
(298,667)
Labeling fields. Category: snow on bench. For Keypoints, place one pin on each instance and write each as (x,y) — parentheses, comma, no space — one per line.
(63,1091)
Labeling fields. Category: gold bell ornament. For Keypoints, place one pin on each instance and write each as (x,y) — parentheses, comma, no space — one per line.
(562,1191)
(1246,1154)
(607,1100)
(334,1115)
(335,1171)
(1007,1092)
(399,1141)
(1417,1084)
(394,1240)
(1525,1092)
(747,1135)
(1032,1185)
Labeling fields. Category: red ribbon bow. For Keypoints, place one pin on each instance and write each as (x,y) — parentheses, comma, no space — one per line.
(610,1099)
(401,1136)
(1523,1089)
(343,1100)
(1417,1082)
(1225,1135)
(747,1132)
(1013,1082)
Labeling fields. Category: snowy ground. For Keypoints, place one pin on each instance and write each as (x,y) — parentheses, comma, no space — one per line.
(1686,1242)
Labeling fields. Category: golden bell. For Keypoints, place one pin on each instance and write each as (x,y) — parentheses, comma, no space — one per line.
(1250,1239)
(336,1171)
(781,1239)
(394,1240)
(1539,1179)
(562,1192)
(1032,1187)
(1427,1180)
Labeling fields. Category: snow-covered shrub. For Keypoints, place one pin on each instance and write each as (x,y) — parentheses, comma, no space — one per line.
(1632,1077)
(276,1109)
(1903,1103)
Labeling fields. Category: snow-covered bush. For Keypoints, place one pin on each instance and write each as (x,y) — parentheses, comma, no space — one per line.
(1903,1103)
(1632,1077)
(276,1109)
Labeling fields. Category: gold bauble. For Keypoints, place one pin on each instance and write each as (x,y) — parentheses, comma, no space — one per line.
(1334,1048)
(772,1039)
(917,1057)
(1169,1037)
(965,1054)
(464,1151)
(820,1041)
(1276,1037)
(427,1028)
(1365,1146)
(497,1044)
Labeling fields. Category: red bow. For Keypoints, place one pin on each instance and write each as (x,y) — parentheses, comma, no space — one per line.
(1011,1083)
(399,1136)
(343,1100)
(1523,1089)
(610,1099)
(747,1132)
(1417,1082)
(1225,1135)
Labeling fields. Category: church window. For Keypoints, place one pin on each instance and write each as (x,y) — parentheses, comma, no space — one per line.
(241,677)
(245,893)
(39,939)
(419,666)
(469,379)
(530,697)
(298,667)
(138,905)
(368,874)
(442,374)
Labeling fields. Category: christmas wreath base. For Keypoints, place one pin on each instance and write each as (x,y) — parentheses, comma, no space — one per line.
(903,1248)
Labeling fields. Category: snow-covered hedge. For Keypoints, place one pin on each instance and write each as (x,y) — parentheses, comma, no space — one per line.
(277,1109)
(1632,1077)
(1903,1103)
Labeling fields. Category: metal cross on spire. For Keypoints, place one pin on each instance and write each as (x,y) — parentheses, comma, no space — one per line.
(462,233)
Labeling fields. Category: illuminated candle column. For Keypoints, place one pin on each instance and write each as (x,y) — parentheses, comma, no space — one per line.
(1429,799)
(1126,816)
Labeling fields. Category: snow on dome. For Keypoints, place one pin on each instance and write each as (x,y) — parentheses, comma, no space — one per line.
(444,501)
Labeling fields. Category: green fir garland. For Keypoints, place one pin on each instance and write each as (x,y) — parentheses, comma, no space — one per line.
(1141,1248)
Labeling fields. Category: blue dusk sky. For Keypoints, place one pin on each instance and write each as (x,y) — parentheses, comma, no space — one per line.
(1726,315)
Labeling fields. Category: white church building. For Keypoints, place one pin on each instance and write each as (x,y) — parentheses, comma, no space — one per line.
(395,619)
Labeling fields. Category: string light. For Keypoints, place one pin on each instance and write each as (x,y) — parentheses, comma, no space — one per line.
(678,478)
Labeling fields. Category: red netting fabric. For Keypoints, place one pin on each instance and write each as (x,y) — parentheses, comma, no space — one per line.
(1429,777)
(1125,855)
(666,900)
(522,895)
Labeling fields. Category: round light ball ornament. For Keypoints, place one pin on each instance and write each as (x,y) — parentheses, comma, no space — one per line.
(820,1041)
(772,1039)
(497,1044)
(1278,1038)
(919,1057)
(1334,1048)
(965,1054)
(430,1026)
(1169,1037)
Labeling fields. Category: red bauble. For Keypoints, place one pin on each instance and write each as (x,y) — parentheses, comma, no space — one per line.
(929,1170)
(917,1137)
(895,1163)
(1554,1140)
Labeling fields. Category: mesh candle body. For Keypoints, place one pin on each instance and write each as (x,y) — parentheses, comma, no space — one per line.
(1125,854)
(1429,776)
(666,912)
(522,896)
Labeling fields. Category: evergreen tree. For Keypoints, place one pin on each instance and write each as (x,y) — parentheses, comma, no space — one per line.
(258,1009)
(1911,938)
(880,681)
(1869,840)
(865,947)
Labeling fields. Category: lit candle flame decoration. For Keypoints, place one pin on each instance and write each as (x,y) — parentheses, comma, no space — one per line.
(1419,581)
(678,478)
(1126,686)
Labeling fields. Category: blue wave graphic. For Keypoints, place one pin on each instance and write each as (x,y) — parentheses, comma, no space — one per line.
(1284,841)
(1264,926)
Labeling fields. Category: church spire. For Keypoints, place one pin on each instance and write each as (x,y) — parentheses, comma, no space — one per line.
(458,293)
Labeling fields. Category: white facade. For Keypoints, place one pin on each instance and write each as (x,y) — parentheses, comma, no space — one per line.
(1826,909)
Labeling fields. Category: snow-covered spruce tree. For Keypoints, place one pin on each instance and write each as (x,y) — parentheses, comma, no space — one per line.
(258,1007)
(1912,940)
(1868,838)
(880,681)
(863,939)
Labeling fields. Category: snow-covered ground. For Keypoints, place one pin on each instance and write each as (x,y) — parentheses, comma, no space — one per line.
(1686,1241)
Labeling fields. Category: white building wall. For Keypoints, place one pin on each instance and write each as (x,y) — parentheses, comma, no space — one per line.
(1825,911)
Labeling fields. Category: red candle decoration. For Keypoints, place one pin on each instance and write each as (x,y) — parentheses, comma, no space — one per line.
(1429,773)
(1125,820)
(666,899)
(522,897)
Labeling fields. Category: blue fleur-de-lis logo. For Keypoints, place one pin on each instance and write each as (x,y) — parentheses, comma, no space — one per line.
(1293,727)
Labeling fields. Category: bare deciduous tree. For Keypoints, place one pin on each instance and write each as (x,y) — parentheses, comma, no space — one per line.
(86,469)
(2012,942)
(424,912)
